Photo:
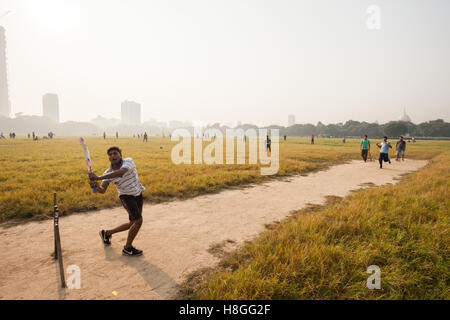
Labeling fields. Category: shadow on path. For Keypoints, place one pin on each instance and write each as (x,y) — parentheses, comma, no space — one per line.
(156,278)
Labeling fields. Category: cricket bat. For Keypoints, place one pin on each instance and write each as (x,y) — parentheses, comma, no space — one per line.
(87,157)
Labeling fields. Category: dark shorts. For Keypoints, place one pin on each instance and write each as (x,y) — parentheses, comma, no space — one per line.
(133,205)
(384,157)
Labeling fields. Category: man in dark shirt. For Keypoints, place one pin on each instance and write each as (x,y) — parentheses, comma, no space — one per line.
(400,147)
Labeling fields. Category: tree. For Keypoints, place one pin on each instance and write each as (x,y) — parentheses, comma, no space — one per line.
(395,128)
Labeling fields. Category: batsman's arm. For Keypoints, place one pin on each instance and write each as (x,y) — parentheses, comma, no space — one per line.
(115,174)
(100,189)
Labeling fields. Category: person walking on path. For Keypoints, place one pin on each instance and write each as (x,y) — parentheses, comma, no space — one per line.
(365,148)
(400,149)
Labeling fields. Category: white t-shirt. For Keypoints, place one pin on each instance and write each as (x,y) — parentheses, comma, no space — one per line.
(385,147)
(129,183)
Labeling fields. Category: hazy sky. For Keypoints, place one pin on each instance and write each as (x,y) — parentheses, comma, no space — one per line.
(227,61)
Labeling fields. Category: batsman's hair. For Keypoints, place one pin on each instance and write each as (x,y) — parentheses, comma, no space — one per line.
(385,137)
(114,148)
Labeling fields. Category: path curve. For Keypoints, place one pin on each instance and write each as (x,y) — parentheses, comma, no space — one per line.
(175,236)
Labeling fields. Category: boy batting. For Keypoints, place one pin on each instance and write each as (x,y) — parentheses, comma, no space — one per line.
(123,174)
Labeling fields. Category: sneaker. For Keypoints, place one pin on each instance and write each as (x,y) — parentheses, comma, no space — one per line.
(105,239)
(132,251)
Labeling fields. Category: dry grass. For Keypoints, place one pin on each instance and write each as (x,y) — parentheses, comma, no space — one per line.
(32,171)
(323,252)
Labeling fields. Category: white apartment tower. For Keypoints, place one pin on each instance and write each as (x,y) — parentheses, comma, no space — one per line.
(5,106)
(50,106)
(131,113)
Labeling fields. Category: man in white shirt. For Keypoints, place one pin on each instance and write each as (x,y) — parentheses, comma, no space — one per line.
(123,174)
(384,151)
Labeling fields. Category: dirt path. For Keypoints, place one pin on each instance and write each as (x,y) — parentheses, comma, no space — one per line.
(175,236)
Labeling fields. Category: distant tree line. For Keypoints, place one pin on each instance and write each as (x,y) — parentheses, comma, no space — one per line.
(435,128)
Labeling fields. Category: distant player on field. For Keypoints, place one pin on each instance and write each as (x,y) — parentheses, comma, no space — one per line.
(268,144)
(123,174)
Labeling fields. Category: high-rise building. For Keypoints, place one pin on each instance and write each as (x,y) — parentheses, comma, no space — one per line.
(5,106)
(50,106)
(131,113)
(291,120)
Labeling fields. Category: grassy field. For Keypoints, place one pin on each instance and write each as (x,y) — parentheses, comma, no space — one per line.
(33,170)
(323,252)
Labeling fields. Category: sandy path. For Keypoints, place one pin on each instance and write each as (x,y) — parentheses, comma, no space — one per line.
(175,236)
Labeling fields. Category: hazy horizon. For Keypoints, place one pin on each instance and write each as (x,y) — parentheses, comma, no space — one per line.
(228,61)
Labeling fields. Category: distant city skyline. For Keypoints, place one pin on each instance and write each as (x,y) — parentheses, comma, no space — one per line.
(226,61)
(131,115)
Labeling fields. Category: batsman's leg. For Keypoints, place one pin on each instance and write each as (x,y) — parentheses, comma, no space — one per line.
(136,225)
(121,228)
